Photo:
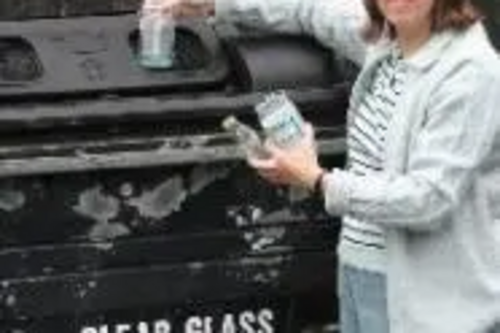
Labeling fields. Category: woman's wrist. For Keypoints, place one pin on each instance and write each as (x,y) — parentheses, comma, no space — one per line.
(315,184)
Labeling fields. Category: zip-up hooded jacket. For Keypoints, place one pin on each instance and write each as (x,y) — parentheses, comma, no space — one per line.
(438,196)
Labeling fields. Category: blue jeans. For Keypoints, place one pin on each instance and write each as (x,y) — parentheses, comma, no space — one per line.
(363,301)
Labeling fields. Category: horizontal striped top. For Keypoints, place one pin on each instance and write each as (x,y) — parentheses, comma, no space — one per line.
(362,243)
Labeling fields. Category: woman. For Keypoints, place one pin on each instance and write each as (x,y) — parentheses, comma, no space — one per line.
(418,194)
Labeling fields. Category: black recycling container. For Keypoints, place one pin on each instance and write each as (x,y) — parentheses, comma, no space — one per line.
(124,208)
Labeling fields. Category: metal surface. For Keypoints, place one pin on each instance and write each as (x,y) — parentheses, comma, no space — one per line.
(90,55)
(84,246)
(124,208)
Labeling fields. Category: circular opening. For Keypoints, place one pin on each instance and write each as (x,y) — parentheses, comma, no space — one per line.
(18,61)
(190,54)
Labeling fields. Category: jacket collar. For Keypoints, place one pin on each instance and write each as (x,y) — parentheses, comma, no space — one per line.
(431,51)
(428,54)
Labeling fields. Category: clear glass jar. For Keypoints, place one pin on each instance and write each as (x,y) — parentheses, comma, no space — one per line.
(157,38)
(280,119)
(246,137)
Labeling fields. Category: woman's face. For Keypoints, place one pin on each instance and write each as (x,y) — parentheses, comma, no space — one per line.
(405,14)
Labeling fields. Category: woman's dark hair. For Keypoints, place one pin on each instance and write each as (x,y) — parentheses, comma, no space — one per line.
(446,14)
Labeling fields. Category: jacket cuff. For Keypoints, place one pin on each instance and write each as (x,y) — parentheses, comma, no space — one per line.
(337,191)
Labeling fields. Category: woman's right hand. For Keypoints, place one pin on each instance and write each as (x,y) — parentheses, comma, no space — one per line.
(187,8)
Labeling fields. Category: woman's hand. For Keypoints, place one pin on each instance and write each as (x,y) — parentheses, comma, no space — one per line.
(186,8)
(296,165)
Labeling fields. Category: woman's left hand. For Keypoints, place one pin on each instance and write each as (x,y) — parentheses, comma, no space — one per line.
(296,165)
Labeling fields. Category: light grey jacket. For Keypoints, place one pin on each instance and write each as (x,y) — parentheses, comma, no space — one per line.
(439,194)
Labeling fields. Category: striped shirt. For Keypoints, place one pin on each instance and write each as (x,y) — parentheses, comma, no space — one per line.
(362,243)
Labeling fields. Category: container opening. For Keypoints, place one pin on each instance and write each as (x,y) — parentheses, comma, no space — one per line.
(190,53)
(19,62)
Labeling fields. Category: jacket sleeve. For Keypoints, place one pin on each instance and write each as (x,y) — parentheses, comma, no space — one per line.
(461,126)
(335,23)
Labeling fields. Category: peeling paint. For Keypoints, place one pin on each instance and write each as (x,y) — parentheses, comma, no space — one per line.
(104,246)
(82,292)
(11,301)
(267,277)
(48,270)
(260,236)
(11,200)
(196,266)
(127,190)
(262,242)
(95,204)
(84,288)
(161,201)
(150,205)
(263,261)
(102,208)
(261,269)
(202,176)
(104,230)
